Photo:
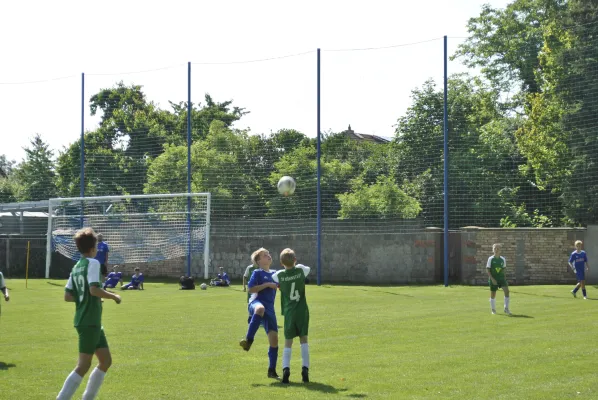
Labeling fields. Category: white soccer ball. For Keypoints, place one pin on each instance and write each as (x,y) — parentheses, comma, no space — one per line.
(203,286)
(286,186)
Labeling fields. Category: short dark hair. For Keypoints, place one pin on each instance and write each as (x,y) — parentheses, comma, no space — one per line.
(86,240)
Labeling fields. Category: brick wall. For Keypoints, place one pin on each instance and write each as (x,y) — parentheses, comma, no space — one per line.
(534,256)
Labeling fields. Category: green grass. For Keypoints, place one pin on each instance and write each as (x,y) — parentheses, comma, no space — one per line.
(408,342)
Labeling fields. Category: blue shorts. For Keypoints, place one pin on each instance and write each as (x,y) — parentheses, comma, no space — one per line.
(580,273)
(269,321)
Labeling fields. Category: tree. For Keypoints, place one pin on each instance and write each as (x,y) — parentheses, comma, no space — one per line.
(383,199)
(36,174)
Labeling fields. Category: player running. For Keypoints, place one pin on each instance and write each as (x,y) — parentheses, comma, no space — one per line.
(291,281)
(83,289)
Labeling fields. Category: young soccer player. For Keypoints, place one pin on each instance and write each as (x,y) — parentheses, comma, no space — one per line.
(83,289)
(136,281)
(113,278)
(3,288)
(261,307)
(102,255)
(221,280)
(291,281)
(495,267)
(248,271)
(578,261)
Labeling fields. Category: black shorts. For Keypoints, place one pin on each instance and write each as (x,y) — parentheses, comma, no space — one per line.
(103,269)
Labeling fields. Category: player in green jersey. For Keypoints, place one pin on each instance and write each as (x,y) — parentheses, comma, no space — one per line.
(291,281)
(495,268)
(3,288)
(84,289)
(248,271)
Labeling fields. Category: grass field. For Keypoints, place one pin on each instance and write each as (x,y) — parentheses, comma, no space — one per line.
(407,342)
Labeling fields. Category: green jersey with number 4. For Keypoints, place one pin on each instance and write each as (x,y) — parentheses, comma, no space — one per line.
(292,289)
(88,311)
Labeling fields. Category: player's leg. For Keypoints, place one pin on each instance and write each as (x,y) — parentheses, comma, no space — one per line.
(303,331)
(88,337)
(505,289)
(97,375)
(583,288)
(271,327)
(286,358)
(256,310)
(493,289)
(576,288)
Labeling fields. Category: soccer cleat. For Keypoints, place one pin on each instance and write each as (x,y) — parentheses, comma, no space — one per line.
(493,311)
(585,298)
(272,373)
(573,293)
(507,311)
(246,344)
(305,374)
(286,372)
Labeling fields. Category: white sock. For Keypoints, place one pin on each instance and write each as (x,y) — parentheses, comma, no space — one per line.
(71,384)
(93,385)
(493,304)
(305,354)
(286,357)
(507,302)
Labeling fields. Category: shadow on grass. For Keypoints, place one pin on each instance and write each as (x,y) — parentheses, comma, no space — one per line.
(55,284)
(537,295)
(517,316)
(373,290)
(5,366)
(319,387)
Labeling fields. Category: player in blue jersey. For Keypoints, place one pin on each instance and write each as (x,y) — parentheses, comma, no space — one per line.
(578,261)
(102,255)
(221,280)
(136,281)
(113,278)
(261,307)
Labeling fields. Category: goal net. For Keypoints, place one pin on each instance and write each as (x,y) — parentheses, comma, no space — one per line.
(139,229)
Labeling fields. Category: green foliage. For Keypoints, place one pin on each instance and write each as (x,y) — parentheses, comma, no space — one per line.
(383,199)
(36,174)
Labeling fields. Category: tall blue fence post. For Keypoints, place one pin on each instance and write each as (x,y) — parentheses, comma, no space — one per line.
(319,189)
(189,167)
(446,168)
(82,172)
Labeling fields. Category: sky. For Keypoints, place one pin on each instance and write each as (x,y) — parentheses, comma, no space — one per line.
(261,55)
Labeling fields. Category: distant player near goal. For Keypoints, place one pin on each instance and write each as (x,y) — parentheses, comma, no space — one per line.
(291,281)
(3,288)
(495,267)
(578,261)
(83,289)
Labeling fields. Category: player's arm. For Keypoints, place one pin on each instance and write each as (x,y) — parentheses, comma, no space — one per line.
(305,269)
(68,291)
(255,288)
(245,278)
(107,254)
(571,262)
(93,278)
(488,266)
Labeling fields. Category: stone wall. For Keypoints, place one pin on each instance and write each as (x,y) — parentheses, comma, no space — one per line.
(534,256)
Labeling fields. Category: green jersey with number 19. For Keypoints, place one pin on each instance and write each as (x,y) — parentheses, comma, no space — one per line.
(292,289)
(85,273)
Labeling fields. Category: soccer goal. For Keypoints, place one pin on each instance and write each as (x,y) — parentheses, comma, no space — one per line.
(137,228)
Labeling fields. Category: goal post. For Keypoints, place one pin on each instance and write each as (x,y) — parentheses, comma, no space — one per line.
(138,228)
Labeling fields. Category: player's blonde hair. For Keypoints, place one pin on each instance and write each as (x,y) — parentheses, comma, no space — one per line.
(255,256)
(288,258)
(496,246)
(578,242)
